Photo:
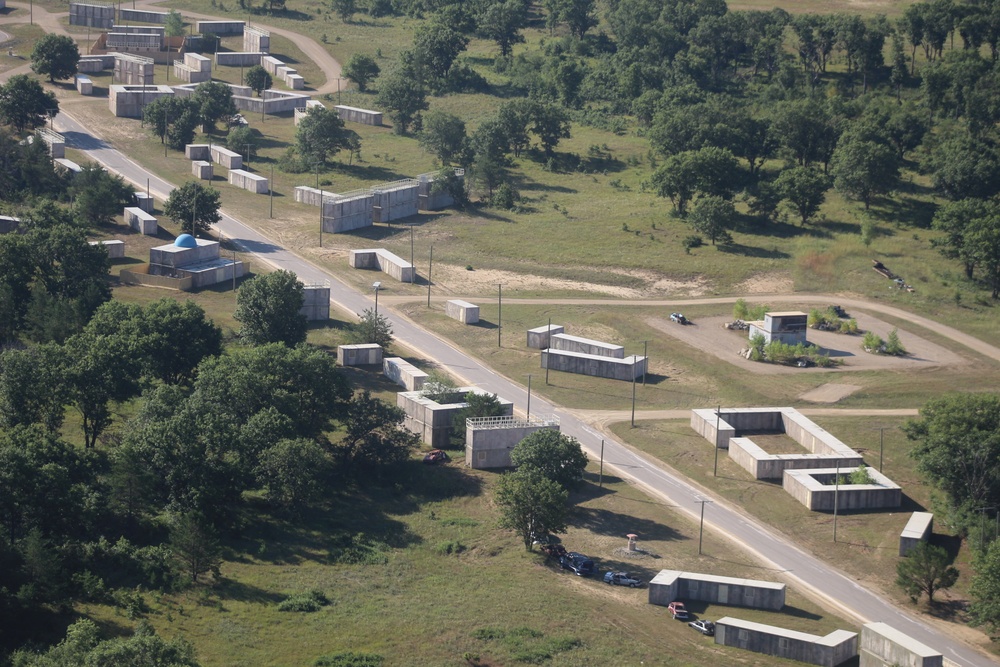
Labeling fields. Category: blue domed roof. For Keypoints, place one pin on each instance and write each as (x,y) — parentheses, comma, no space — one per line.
(185,241)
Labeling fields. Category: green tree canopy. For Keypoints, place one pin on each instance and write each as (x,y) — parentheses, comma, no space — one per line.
(173,119)
(558,457)
(56,56)
(174,25)
(804,188)
(372,328)
(398,95)
(985,589)
(531,504)
(267,308)
(713,216)
(99,196)
(214,101)
(362,69)
(502,22)
(24,104)
(258,78)
(374,435)
(443,135)
(293,471)
(863,169)
(926,570)
(194,207)
(321,135)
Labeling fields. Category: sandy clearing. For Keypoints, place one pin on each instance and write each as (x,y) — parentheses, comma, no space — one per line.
(829,393)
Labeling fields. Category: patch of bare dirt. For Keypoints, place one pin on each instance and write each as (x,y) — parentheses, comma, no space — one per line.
(778,282)
(829,393)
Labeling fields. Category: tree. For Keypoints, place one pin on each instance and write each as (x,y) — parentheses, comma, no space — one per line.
(438,45)
(196,546)
(502,22)
(214,101)
(31,387)
(556,456)
(804,188)
(174,24)
(477,405)
(320,135)
(958,447)
(268,309)
(925,570)
(578,15)
(244,140)
(258,78)
(345,9)
(984,236)
(24,104)
(173,119)
(362,70)
(374,435)
(711,171)
(292,471)
(55,55)
(99,196)
(713,216)
(962,167)
(550,123)
(954,218)
(443,135)
(194,207)
(862,169)
(372,328)
(398,95)
(531,504)
(985,589)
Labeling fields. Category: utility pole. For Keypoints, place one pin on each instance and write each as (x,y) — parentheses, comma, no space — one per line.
(701,526)
(881,446)
(633,400)
(270,199)
(499,311)
(412,273)
(836,500)
(548,332)
(430,265)
(645,361)
(600,475)
(248,156)
(320,213)
(529,397)
(718,419)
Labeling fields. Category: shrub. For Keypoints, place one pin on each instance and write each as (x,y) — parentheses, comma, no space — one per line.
(452,547)
(872,343)
(695,241)
(310,601)
(350,659)
(849,327)
(893,346)
(862,476)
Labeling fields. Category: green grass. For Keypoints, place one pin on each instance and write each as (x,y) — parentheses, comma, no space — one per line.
(22,41)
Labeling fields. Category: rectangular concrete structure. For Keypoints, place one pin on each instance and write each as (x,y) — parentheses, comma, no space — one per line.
(115,248)
(490,440)
(431,420)
(220,27)
(752,458)
(91,65)
(198,266)
(255,39)
(84,84)
(403,373)
(429,198)
(133,42)
(316,302)
(226,158)
(829,651)
(380,259)
(238,58)
(884,646)
(198,62)
(145,201)
(308,195)
(95,15)
(368,354)
(395,201)
(788,327)
(538,338)
(271,64)
(129,101)
(629,368)
(55,142)
(202,169)
(251,182)
(141,221)
(918,529)
(348,211)
(132,70)
(198,152)
(463,311)
(670,585)
(356,115)
(188,74)
(794,424)
(562,341)
(67,167)
(142,15)
(815,490)
(295,81)
(9,224)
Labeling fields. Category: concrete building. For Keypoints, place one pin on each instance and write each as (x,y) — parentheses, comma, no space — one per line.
(195,68)
(140,221)
(272,101)
(431,420)
(144,201)
(380,259)
(9,224)
(490,440)
(670,585)
(538,338)
(788,327)
(367,354)
(68,167)
(115,248)
(347,212)
(563,341)
(94,14)
(198,152)
(133,70)
(431,200)
(129,101)
(463,311)
(220,27)
(251,182)
(396,200)
(238,58)
(202,170)
(815,489)
(197,259)
(356,115)
(918,529)
(142,15)
(55,142)
(404,373)
(629,368)
(884,646)
(316,302)
(225,157)
(255,39)
(829,651)
(84,84)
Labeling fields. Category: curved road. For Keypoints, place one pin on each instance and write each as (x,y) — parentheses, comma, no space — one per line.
(808,572)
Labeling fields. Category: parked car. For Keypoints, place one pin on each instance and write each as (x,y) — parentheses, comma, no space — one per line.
(679,318)
(621,579)
(706,628)
(578,563)
(678,611)
(436,456)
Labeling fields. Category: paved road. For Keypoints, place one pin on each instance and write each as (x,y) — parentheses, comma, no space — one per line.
(773,549)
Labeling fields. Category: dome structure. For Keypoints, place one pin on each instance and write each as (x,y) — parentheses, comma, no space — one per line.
(185,241)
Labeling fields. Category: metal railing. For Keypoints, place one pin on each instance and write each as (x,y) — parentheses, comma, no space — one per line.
(509,421)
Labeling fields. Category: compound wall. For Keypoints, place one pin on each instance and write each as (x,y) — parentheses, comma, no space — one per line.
(250,182)
(629,368)
(256,40)
(752,458)
(884,646)
(142,15)
(130,71)
(538,338)
(96,15)
(403,373)
(220,27)
(670,585)
(562,341)
(367,354)
(133,42)
(128,101)
(395,201)
(238,58)
(431,420)
(815,490)
(356,115)
(829,651)
(343,213)
(490,440)
(316,303)
(381,259)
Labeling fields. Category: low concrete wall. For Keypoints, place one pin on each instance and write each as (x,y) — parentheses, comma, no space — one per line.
(220,27)
(295,81)
(752,458)
(226,158)
(395,201)
(704,422)
(403,373)
(368,354)
(490,440)
(670,585)
(884,646)
(188,75)
(316,302)
(629,368)
(115,248)
(432,421)
(562,341)
(829,651)
(55,142)
(308,195)
(238,58)
(738,421)
(198,152)
(139,275)
(538,338)
(380,259)
(142,15)
(65,166)
(463,311)
(144,201)
(141,221)
(356,115)
(84,85)
(255,39)
(810,488)
(198,62)
(250,182)
(918,529)
(91,65)
(96,15)
(202,169)
(347,212)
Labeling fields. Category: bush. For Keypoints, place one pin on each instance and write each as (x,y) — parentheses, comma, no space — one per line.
(452,547)
(310,601)
(872,343)
(893,346)
(350,659)
(505,197)
(849,327)
(862,476)
(292,163)
(694,241)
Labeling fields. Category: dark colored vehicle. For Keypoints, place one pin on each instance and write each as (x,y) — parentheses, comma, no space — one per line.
(621,579)
(679,318)
(678,611)
(706,628)
(578,563)
(436,456)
